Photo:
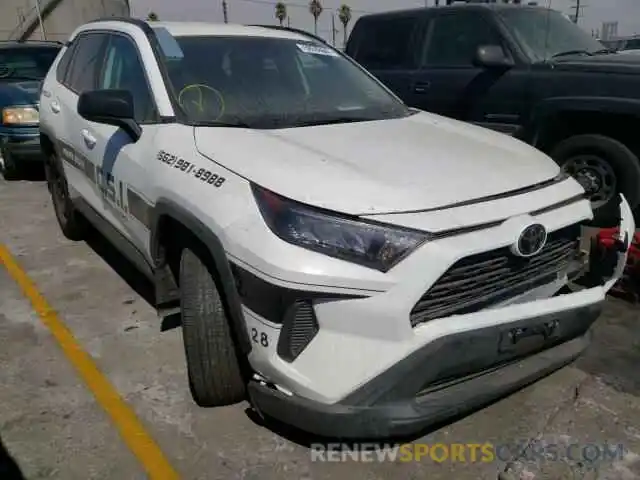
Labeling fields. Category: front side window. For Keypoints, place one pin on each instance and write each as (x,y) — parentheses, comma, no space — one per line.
(263,82)
(548,33)
(454,39)
(123,70)
(24,63)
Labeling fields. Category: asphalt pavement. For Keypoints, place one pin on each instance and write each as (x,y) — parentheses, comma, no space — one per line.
(94,387)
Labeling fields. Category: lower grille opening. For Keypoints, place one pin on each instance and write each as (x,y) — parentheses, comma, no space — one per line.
(299,327)
(488,278)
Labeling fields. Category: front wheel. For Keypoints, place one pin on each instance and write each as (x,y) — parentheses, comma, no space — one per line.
(215,374)
(7,166)
(605,168)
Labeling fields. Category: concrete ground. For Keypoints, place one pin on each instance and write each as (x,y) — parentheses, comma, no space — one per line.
(52,426)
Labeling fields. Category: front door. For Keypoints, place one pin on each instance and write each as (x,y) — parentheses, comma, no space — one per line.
(448,83)
(122,164)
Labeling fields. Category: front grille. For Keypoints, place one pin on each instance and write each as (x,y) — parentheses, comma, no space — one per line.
(488,278)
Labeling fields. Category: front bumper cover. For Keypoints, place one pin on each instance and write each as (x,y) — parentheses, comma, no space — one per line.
(22,148)
(448,377)
(461,371)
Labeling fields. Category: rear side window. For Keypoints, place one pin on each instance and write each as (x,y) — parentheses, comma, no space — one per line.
(86,62)
(385,43)
(63,64)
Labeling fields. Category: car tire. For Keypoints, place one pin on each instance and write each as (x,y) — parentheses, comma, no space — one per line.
(601,161)
(8,167)
(71,222)
(215,374)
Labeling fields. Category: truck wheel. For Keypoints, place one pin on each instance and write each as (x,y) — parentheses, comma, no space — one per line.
(72,224)
(604,167)
(7,166)
(215,375)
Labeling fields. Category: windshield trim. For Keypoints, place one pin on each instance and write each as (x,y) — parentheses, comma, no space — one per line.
(181,117)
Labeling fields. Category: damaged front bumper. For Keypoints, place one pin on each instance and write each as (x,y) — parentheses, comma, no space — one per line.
(507,348)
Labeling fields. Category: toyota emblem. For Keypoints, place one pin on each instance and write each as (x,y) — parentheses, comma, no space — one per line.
(531,240)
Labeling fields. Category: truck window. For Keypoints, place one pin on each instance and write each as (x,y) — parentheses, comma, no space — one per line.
(385,43)
(453,39)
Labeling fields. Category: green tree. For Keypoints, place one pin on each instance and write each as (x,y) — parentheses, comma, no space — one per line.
(152,17)
(344,15)
(281,12)
(315,8)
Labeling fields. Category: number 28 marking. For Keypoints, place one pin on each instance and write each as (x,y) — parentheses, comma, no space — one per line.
(259,337)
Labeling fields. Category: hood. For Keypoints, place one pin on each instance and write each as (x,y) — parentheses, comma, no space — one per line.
(420,162)
(20,93)
(607,63)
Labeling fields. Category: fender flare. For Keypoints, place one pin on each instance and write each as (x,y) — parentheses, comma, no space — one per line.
(550,107)
(165,207)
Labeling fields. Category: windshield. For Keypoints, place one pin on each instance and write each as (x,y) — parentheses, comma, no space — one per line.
(264,82)
(24,63)
(633,44)
(547,33)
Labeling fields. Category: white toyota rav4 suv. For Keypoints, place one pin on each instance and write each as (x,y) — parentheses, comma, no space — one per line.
(354,267)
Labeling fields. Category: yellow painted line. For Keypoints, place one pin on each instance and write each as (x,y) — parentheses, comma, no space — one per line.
(133,433)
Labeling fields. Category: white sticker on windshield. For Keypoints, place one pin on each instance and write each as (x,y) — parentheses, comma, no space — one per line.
(316,50)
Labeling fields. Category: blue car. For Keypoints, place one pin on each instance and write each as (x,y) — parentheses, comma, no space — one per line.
(23,66)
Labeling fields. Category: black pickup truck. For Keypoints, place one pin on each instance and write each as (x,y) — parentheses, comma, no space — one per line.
(526,71)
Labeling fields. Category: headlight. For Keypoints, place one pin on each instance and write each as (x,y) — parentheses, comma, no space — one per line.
(369,244)
(20,115)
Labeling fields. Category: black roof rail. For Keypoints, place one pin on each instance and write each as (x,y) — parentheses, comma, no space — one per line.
(131,20)
(293,30)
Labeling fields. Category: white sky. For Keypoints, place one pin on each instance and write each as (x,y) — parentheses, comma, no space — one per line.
(626,12)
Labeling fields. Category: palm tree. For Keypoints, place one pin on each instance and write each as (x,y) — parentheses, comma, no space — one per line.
(344,14)
(152,17)
(315,8)
(281,12)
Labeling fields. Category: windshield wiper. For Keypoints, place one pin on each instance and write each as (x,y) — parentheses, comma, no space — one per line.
(22,77)
(333,121)
(604,51)
(573,52)
(218,123)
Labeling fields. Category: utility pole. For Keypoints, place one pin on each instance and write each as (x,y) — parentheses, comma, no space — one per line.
(288,21)
(225,13)
(333,28)
(42,32)
(578,7)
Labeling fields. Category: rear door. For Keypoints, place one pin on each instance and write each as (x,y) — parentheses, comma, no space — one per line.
(448,83)
(385,46)
(72,144)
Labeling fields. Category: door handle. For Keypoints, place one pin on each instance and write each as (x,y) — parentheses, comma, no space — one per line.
(55,107)
(421,87)
(89,140)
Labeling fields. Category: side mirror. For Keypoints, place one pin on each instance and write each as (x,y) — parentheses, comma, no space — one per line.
(111,107)
(492,56)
